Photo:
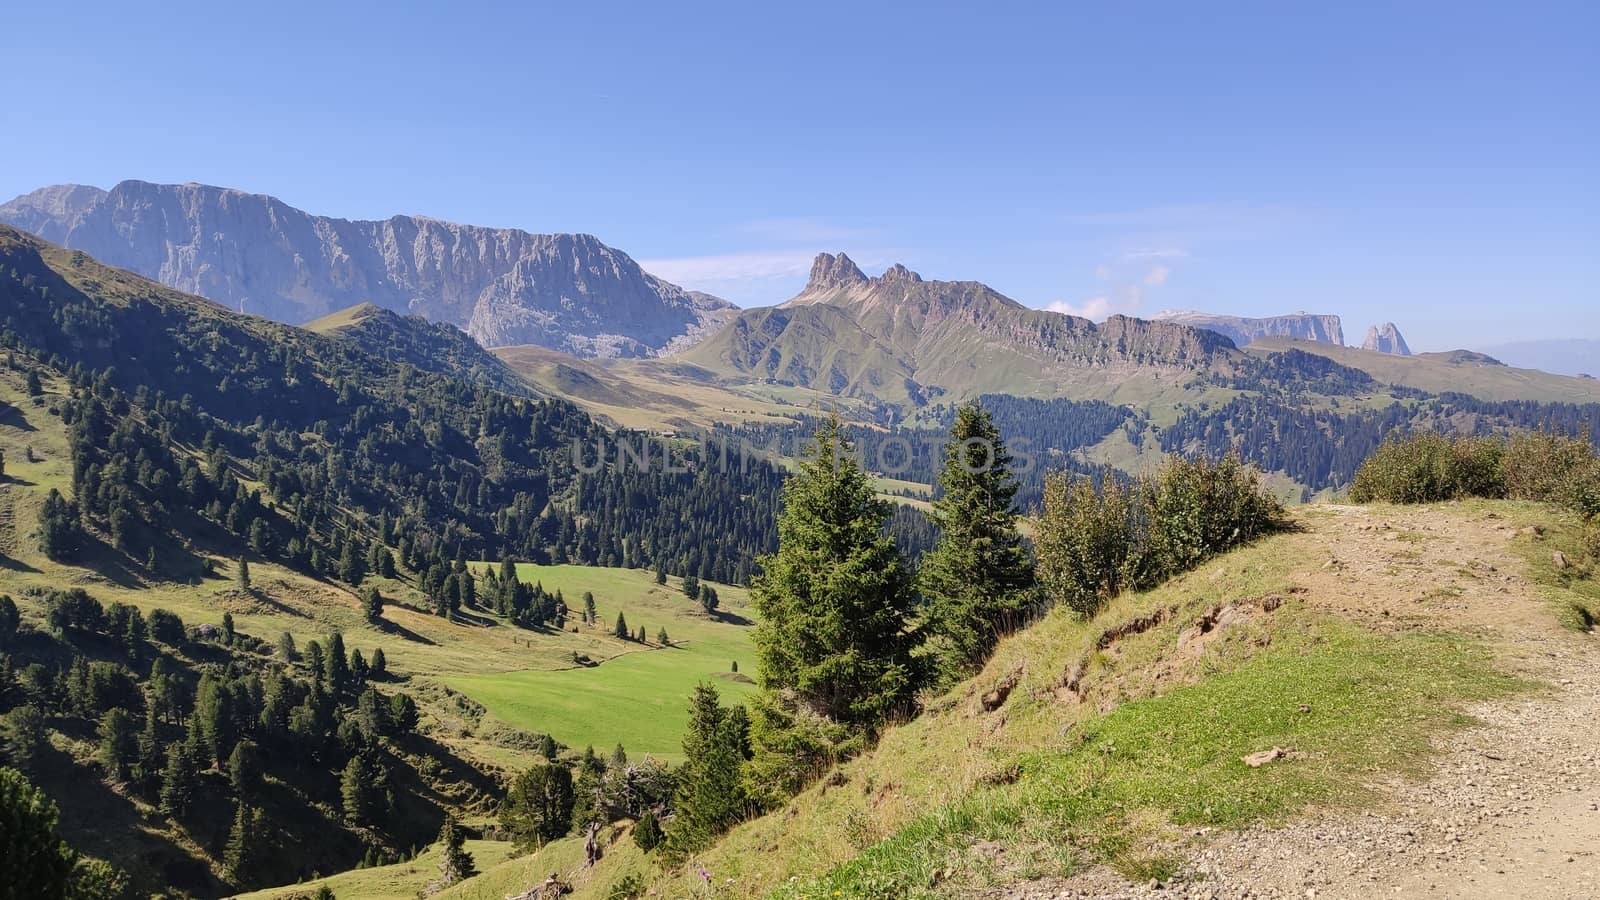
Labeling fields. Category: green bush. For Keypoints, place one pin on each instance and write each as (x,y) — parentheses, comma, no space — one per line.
(1543,465)
(1429,468)
(1533,465)
(1092,544)
(1083,542)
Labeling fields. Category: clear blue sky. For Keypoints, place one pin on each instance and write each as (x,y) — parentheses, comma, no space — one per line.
(1437,164)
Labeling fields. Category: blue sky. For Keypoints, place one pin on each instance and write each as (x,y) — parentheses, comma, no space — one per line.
(1433,164)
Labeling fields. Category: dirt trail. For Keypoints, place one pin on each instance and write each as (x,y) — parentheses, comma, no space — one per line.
(1513,806)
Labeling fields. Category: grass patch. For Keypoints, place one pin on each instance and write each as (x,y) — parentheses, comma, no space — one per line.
(401,881)
(640,695)
(1574,590)
(1128,784)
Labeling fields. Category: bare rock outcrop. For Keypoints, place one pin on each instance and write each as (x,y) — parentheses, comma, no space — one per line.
(1386,338)
(257,254)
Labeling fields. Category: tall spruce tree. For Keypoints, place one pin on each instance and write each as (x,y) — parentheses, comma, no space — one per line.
(119,746)
(710,797)
(240,854)
(977,581)
(836,599)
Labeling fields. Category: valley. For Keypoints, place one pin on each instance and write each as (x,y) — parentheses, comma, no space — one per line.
(365,553)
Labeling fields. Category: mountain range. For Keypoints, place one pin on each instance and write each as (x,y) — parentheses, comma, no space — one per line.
(257,254)
(900,338)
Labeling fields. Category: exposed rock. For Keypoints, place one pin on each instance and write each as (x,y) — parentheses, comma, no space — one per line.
(1560,560)
(1325,329)
(1260,758)
(255,253)
(996,697)
(1386,338)
(901,338)
(829,271)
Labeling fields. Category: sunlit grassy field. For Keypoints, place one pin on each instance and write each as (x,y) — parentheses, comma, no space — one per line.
(640,697)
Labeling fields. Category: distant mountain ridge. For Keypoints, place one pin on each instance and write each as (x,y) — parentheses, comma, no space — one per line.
(1564,356)
(899,338)
(254,252)
(1243,330)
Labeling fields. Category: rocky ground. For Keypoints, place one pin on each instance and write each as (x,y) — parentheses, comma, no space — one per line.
(1512,807)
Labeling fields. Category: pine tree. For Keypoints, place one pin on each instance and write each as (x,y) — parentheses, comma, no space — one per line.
(244,770)
(661,638)
(835,600)
(547,747)
(10,620)
(977,581)
(59,531)
(647,832)
(239,855)
(178,781)
(621,630)
(34,385)
(455,863)
(379,667)
(35,862)
(538,805)
(356,791)
(590,616)
(708,599)
(336,666)
(244,574)
(691,587)
(118,744)
(710,797)
(372,603)
(150,758)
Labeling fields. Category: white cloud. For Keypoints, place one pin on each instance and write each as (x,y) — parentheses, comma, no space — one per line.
(1095,308)
(1127,298)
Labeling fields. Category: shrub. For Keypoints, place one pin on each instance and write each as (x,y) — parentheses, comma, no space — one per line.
(1543,465)
(1429,468)
(1534,465)
(1084,541)
(1199,508)
(1091,544)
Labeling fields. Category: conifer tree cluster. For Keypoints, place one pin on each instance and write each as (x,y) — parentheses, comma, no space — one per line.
(188,719)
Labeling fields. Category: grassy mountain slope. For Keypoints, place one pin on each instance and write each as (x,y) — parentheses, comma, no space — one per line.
(1456,371)
(1353,644)
(430,346)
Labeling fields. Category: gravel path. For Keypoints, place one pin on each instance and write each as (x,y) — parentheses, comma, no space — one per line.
(1512,808)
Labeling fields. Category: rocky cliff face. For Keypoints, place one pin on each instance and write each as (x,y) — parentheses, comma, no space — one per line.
(1301,325)
(258,254)
(1386,338)
(900,338)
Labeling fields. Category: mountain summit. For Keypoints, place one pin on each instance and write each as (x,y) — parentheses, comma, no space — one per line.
(1386,338)
(898,338)
(260,255)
